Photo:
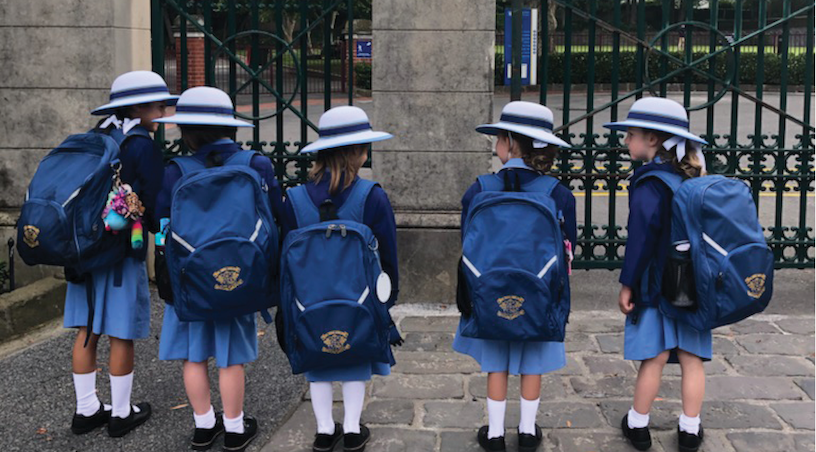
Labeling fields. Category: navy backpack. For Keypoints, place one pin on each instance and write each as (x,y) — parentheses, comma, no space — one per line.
(61,220)
(513,266)
(719,249)
(222,241)
(333,295)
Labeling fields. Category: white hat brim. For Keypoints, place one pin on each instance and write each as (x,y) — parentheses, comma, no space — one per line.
(532,132)
(678,131)
(368,136)
(203,120)
(111,107)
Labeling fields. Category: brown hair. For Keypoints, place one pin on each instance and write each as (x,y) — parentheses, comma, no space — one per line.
(539,159)
(690,165)
(338,161)
(197,136)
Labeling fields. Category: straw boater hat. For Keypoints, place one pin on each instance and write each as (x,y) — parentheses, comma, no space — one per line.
(343,126)
(133,88)
(205,106)
(665,115)
(528,119)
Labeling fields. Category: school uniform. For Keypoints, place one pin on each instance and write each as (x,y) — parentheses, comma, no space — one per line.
(378,215)
(648,332)
(122,295)
(518,358)
(230,341)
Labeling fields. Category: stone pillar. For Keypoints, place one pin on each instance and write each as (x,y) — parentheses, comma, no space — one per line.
(59,59)
(432,84)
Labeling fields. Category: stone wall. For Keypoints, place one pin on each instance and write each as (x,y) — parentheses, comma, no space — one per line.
(57,61)
(432,84)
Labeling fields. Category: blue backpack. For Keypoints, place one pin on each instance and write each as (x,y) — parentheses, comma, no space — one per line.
(222,241)
(333,311)
(729,266)
(61,220)
(513,265)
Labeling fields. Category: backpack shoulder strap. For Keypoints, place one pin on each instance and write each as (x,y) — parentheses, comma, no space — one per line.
(490,182)
(671,180)
(354,206)
(306,212)
(542,184)
(188,164)
(243,158)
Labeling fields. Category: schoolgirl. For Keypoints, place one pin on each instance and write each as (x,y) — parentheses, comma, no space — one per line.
(526,147)
(208,126)
(120,294)
(657,133)
(342,149)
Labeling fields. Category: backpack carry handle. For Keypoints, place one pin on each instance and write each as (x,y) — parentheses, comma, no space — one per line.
(328,211)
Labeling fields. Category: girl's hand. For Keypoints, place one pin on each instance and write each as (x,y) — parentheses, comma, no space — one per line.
(625,302)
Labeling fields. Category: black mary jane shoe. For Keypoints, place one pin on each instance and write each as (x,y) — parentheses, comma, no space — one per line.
(640,438)
(688,442)
(492,444)
(356,442)
(326,443)
(238,442)
(118,427)
(203,438)
(528,442)
(83,424)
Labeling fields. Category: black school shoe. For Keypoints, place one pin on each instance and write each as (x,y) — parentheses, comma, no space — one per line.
(640,438)
(528,442)
(237,442)
(118,427)
(356,442)
(203,438)
(84,424)
(688,442)
(324,442)
(492,444)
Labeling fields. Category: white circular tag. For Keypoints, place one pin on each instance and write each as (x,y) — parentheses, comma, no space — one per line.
(383,287)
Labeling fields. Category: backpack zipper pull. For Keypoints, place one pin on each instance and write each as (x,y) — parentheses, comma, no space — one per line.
(343,230)
(329,230)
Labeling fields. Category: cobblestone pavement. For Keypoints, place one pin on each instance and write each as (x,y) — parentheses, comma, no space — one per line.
(759,395)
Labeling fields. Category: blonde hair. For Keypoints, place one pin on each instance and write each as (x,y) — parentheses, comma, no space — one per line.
(689,167)
(338,161)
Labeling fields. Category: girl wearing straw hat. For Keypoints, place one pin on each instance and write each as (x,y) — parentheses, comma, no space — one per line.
(657,132)
(345,135)
(206,117)
(527,148)
(121,294)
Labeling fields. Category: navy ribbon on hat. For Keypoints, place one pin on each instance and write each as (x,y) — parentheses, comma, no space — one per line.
(526,121)
(325,133)
(139,91)
(658,118)
(205,109)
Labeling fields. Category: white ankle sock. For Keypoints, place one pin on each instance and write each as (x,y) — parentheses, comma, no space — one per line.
(87,402)
(637,420)
(690,424)
(321,393)
(206,420)
(120,395)
(495,418)
(234,425)
(353,398)
(529,410)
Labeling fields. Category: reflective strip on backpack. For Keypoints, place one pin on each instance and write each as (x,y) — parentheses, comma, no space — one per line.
(714,244)
(363,296)
(547,267)
(183,243)
(471,267)
(257,229)
(299,306)
(70,198)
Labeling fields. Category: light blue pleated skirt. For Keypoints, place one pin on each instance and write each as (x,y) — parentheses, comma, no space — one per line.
(230,342)
(655,333)
(517,358)
(122,312)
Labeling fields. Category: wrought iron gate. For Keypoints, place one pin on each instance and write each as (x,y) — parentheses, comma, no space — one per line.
(775,157)
(251,63)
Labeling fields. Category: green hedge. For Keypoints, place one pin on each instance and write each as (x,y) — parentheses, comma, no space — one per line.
(362,75)
(627,63)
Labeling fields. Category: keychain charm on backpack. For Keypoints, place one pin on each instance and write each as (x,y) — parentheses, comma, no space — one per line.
(124,206)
